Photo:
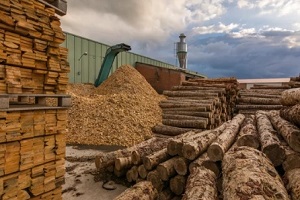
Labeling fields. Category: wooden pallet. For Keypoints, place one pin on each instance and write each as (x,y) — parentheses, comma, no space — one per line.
(22,102)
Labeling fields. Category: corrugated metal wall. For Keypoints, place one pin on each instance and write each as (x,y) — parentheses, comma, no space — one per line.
(86,69)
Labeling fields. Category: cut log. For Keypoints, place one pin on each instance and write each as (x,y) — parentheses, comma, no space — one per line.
(166,194)
(290,97)
(259,101)
(194,109)
(151,161)
(201,184)
(169,130)
(292,158)
(182,166)
(248,134)
(259,95)
(177,184)
(129,176)
(189,113)
(270,87)
(134,173)
(143,172)
(259,107)
(270,143)
(248,174)
(207,106)
(123,163)
(183,117)
(291,114)
(199,88)
(189,94)
(289,132)
(204,161)
(198,144)
(155,179)
(173,145)
(293,183)
(141,190)
(166,169)
(105,160)
(218,148)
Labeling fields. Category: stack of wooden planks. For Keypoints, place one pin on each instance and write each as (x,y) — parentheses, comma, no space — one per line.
(237,159)
(31,58)
(198,104)
(32,135)
(259,97)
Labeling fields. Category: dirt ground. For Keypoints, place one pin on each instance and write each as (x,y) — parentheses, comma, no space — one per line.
(81,176)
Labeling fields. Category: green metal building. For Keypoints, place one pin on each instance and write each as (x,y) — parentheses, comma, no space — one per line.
(85,68)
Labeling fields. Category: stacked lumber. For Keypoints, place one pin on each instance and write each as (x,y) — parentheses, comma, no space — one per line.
(198,104)
(32,135)
(259,97)
(31,58)
(189,167)
(291,111)
(294,82)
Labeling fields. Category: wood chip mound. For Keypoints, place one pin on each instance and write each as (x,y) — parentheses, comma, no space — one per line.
(121,111)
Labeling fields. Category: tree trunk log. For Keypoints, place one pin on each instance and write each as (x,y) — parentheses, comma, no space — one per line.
(151,161)
(248,134)
(199,88)
(291,114)
(201,184)
(259,107)
(290,97)
(166,194)
(143,172)
(198,144)
(194,109)
(105,160)
(292,158)
(123,163)
(155,179)
(259,95)
(143,190)
(204,161)
(166,169)
(190,113)
(207,106)
(270,87)
(218,148)
(293,183)
(248,174)
(259,101)
(289,132)
(170,130)
(182,166)
(270,143)
(183,117)
(190,94)
(177,184)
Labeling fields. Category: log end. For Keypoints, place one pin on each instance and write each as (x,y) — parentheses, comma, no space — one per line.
(177,184)
(135,157)
(275,153)
(248,140)
(181,166)
(295,141)
(163,173)
(215,153)
(147,163)
(171,148)
(190,151)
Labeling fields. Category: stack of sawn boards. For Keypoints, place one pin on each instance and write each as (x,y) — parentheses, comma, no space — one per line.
(32,138)
(198,104)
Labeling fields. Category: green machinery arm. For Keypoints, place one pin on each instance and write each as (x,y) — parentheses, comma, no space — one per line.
(109,58)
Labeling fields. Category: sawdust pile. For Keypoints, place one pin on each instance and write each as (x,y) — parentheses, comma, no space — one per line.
(121,111)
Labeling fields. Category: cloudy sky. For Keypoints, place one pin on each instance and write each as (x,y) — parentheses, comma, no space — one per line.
(241,38)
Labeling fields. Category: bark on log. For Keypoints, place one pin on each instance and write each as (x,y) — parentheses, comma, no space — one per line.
(218,148)
(154,159)
(173,146)
(166,194)
(143,172)
(204,161)
(248,174)
(259,107)
(155,179)
(177,184)
(143,190)
(183,117)
(105,160)
(197,124)
(198,88)
(182,166)
(270,143)
(166,169)
(189,113)
(290,97)
(248,134)
(193,148)
(293,183)
(207,106)
(123,163)
(190,94)
(259,95)
(201,184)
(197,109)
(259,101)
(289,132)
(265,91)
(291,114)
(270,87)
(170,130)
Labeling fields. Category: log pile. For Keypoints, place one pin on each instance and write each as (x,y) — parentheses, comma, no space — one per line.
(189,166)
(294,82)
(198,104)
(32,136)
(259,97)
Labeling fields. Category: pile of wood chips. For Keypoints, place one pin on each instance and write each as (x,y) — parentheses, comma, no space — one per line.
(121,111)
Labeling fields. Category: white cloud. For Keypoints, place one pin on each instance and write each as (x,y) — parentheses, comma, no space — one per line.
(220,28)
(247,32)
